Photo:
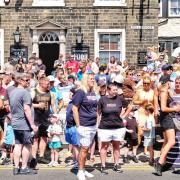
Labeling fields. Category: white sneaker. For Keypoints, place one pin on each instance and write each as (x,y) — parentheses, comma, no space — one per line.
(89,175)
(55,164)
(81,175)
(51,163)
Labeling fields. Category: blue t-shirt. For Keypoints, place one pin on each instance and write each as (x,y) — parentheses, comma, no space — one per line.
(150,124)
(69,116)
(58,96)
(9,135)
(87,103)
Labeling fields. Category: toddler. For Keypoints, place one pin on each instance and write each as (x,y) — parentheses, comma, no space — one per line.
(54,131)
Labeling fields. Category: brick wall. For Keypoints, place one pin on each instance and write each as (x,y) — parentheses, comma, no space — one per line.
(89,18)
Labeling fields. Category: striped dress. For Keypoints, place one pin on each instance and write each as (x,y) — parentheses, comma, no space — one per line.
(173,157)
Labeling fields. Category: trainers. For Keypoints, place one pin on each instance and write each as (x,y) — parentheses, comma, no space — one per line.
(51,163)
(15,171)
(76,165)
(33,163)
(42,160)
(151,162)
(158,169)
(126,160)
(55,164)
(89,175)
(27,171)
(104,170)
(134,158)
(117,168)
(81,175)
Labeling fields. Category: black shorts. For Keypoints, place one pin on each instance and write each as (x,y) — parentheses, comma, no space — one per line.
(130,141)
(167,123)
(7,147)
(42,131)
(23,137)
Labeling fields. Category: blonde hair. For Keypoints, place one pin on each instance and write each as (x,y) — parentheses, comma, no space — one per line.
(84,83)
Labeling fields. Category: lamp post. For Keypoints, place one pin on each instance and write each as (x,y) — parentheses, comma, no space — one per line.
(79,37)
(17,36)
(6,2)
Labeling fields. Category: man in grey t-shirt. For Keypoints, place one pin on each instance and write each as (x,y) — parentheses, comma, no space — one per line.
(22,123)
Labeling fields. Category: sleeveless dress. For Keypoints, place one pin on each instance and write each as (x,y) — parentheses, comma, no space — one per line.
(173,157)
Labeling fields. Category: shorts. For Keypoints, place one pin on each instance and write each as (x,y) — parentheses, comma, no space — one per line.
(148,142)
(71,136)
(7,147)
(86,135)
(130,142)
(23,137)
(167,122)
(54,145)
(107,135)
(42,131)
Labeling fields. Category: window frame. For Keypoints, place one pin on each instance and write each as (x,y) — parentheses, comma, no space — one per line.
(122,50)
(48,3)
(2,3)
(161,11)
(2,48)
(109,3)
(169,10)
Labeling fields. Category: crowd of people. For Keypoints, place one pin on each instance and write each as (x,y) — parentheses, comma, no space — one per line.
(91,104)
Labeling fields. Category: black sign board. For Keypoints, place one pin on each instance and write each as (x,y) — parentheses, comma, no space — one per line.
(17,52)
(142,61)
(80,52)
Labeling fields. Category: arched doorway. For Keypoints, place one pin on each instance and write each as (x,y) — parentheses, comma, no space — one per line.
(49,49)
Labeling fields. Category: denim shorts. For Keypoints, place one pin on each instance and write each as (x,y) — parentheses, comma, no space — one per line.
(54,145)
(148,142)
(71,136)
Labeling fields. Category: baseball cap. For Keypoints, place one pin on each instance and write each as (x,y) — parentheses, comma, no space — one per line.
(51,78)
(166,67)
(101,83)
(71,77)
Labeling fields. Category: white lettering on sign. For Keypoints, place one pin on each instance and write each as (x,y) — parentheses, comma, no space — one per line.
(142,27)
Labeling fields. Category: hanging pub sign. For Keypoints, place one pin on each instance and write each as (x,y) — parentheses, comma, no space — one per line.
(17,52)
(80,52)
(142,61)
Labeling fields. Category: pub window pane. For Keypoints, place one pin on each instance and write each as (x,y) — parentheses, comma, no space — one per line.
(174,7)
(114,42)
(104,55)
(104,42)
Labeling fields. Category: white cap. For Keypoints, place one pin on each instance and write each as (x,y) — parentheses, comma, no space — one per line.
(33,52)
(51,78)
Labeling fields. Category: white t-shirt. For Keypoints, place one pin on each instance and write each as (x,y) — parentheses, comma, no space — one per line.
(55,128)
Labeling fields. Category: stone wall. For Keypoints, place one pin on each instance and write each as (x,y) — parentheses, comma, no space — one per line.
(82,13)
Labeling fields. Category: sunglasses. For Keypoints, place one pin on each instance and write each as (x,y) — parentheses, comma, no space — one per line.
(26,80)
(146,83)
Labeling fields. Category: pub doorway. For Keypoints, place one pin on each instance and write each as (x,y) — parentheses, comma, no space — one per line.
(49,49)
(49,53)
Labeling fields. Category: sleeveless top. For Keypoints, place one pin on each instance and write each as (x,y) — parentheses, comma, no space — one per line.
(41,115)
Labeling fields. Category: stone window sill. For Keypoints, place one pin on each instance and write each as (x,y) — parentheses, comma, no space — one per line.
(109,4)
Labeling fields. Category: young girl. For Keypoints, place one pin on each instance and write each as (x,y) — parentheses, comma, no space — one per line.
(54,131)
(149,131)
(7,146)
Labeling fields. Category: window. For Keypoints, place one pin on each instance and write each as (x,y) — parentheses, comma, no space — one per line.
(160,8)
(109,3)
(1,47)
(48,3)
(174,8)
(109,42)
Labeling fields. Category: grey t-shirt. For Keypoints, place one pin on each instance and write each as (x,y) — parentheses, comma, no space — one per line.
(18,97)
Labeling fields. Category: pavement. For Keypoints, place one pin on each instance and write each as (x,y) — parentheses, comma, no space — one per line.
(135,171)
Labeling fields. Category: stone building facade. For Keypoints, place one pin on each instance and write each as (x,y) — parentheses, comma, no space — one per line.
(110,27)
